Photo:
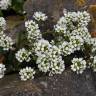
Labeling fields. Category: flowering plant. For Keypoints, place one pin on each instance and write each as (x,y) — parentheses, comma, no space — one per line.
(27,73)
(79,65)
(70,37)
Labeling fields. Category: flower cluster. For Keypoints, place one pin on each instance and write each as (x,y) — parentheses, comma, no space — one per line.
(27,73)
(93,63)
(2,70)
(42,46)
(23,55)
(51,61)
(32,30)
(2,23)
(5,41)
(43,63)
(73,25)
(93,43)
(83,33)
(39,16)
(61,26)
(66,48)
(71,21)
(77,19)
(76,41)
(74,44)
(78,65)
(4,4)
(72,35)
(83,18)
(57,64)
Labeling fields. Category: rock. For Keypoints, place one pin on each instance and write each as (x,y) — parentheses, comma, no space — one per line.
(54,8)
(14,32)
(66,84)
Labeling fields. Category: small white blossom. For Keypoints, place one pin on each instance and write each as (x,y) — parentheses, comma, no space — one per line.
(82,32)
(4,4)
(39,16)
(43,63)
(78,65)
(84,18)
(57,66)
(93,63)
(2,23)
(5,42)
(93,43)
(42,46)
(2,70)
(76,41)
(61,26)
(32,30)
(23,55)
(66,48)
(27,73)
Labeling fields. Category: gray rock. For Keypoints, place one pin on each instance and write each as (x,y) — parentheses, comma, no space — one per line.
(66,84)
(53,8)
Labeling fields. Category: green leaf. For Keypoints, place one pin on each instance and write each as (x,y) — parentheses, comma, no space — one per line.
(1,14)
(17,5)
(1,50)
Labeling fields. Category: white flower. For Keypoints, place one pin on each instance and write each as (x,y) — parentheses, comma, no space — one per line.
(43,63)
(82,32)
(2,70)
(76,41)
(93,63)
(5,42)
(4,4)
(66,48)
(84,18)
(33,31)
(93,43)
(23,55)
(78,65)
(27,73)
(61,26)
(2,23)
(69,47)
(57,66)
(42,46)
(39,16)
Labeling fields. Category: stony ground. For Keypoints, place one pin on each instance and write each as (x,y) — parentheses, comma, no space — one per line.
(67,84)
